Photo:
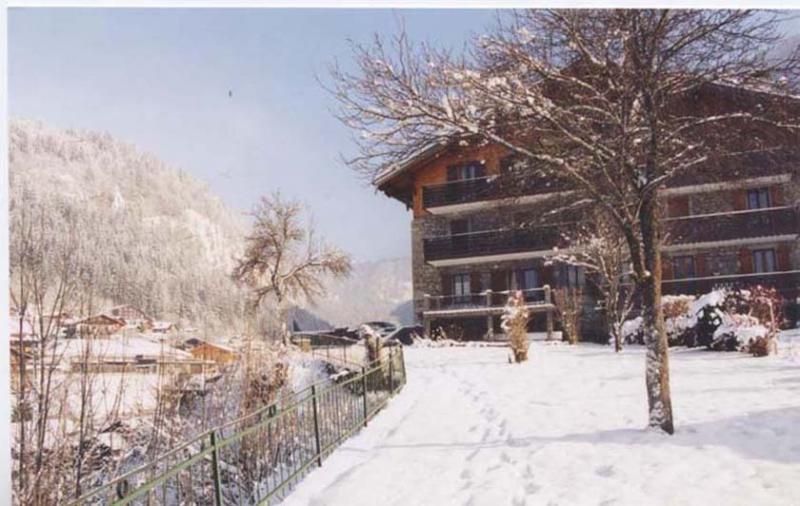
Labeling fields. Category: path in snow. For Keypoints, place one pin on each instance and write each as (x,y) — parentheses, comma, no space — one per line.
(566,428)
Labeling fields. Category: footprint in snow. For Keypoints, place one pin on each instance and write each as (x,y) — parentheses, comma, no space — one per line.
(604,471)
(531,488)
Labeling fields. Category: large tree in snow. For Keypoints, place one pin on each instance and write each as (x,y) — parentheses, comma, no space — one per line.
(283,261)
(616,103)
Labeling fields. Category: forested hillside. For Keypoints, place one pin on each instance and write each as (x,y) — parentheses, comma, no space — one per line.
(152,236)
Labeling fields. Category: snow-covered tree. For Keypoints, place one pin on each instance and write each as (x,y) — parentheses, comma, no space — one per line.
(283,260)
(615,103)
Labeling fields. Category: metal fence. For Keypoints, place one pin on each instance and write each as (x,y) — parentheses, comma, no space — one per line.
(258,458)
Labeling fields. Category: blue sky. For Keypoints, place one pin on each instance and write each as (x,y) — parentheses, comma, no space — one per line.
(159,78)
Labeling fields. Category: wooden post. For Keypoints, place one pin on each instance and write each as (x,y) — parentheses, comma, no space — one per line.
(391,376)
(316,424)
(548,299)
(489,318)
(215,469)
(364,388)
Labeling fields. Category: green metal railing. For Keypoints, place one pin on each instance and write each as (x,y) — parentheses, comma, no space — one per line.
(258,458)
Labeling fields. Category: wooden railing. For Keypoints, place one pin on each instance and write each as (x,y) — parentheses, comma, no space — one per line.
(776,221)
(732,225)
(492,242)
(485,299)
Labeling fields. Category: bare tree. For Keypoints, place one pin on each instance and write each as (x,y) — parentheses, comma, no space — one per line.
(283,258)
(598,247)
(615,103)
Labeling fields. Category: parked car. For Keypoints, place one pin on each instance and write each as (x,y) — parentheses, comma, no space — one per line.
(406,335)
(382,328)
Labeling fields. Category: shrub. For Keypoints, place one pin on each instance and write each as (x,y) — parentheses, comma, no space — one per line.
(569,305)
(515,323)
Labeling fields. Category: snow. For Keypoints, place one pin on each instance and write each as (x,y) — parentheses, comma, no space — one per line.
(567,427)
(120,347)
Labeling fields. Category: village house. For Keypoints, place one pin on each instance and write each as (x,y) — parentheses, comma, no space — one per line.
(217,353)
(472,240)
(132,316)
(99,325)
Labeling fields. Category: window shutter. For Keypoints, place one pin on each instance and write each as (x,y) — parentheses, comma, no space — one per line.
(452,173)
(740,200)
(678,206)
(547,275)
(666,267)
(784,261)
(700,269)
(475,282)
(447,284)
(745,261)
(776,196)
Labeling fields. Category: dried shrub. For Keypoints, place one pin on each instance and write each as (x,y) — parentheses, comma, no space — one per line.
(569,306)
(514,322)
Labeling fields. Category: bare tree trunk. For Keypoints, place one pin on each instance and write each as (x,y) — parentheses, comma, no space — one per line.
(655,337)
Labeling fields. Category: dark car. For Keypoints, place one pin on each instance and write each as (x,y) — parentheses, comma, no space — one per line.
(406,335)
(382,328)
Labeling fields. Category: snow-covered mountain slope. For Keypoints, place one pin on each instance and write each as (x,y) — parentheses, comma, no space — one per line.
(378,290)
(161,240)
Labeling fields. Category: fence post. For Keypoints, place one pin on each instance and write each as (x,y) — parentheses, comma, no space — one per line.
(215,469)
(391,375)
(364,388)
(316,424)
(548,299)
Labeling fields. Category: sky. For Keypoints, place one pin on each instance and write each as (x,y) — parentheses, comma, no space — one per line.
(160,79)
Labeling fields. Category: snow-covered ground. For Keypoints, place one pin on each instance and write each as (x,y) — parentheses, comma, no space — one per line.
(566,428)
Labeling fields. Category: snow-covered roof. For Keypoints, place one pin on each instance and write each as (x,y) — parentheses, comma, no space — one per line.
(117,346)
(397,168)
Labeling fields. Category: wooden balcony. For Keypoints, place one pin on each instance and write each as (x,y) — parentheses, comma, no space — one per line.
(684,232)
(722,227)
(484,303)
(496,243)
(786,282)
(470,193)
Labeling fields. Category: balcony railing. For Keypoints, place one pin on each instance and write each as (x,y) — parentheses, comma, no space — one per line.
(732,225)
(685,230)
(786,282)
(491,242)
(485,188)
(485,300)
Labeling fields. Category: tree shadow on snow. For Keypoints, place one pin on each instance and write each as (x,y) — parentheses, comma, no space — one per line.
(772,435)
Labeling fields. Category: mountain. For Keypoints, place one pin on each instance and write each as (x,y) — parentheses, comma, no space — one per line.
(153,236)
(377,290)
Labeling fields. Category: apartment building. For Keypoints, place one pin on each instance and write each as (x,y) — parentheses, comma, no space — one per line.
(735,225)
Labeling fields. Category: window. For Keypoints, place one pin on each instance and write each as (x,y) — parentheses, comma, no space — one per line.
(764,260)
(461,286)
(469,170)
(758,198)
(683,267)
(570,275)
(527,279)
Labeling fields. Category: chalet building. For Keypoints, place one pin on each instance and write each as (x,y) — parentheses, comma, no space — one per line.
(735,225)
(214,352)
(99,325)
(132,316)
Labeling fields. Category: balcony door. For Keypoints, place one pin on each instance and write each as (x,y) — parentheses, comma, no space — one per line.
(461,288)
(528,280)
(764,261)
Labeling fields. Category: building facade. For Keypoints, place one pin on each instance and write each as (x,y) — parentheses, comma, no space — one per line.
(737,226)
